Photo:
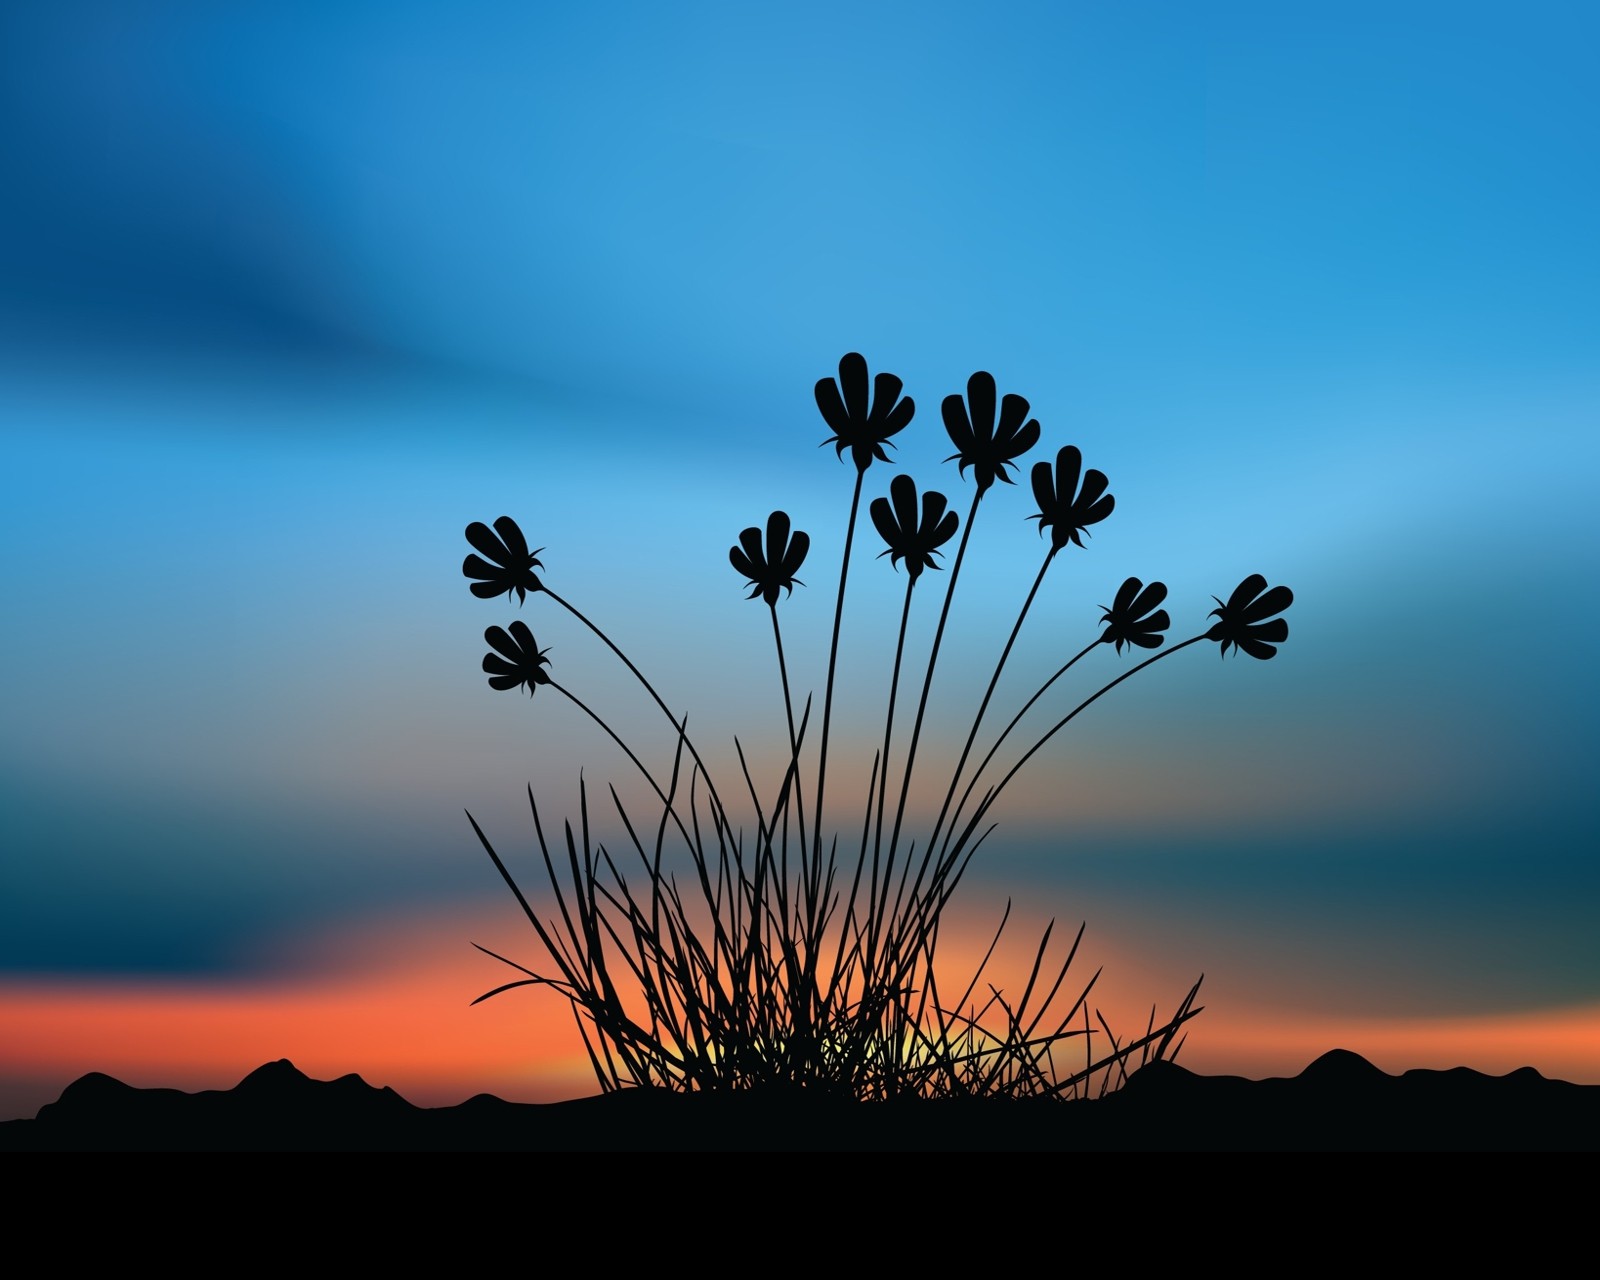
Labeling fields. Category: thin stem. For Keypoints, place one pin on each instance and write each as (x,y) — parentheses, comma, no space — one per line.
(883,786)
(1005,653)
(794,749)
(650,689)
(1006,732)
(927,683)
(628,751)
(1060,724)
(833,657)
(888,724)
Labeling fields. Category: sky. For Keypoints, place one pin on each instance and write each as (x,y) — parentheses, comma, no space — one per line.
(291,293)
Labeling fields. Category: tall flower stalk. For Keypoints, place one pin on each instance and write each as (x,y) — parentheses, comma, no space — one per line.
(990,449)
(1066,512)
(864,429)
(750,973)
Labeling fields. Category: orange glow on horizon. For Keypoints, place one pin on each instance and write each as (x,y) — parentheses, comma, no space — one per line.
(390,1001)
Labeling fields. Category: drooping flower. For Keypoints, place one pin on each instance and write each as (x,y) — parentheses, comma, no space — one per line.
(1066,514)
(1129,620)
(844,408)
(988,450)
(774,567)
(910,538)
(1243,620)
(513,564)
(523,662)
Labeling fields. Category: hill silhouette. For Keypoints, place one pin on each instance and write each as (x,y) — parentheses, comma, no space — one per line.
(1340,1102)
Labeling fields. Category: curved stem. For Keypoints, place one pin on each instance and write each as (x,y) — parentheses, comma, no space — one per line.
(873,916)
(983,706)
(650,689)
(1006,732)
(628,751)
(927,683)
(1060,724)
(833,657)
(794,764)
(788,711)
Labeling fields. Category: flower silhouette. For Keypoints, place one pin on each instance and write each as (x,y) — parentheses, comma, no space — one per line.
(774,567)
(1068,516)
(523,662)
(908,537)
(979,444)
(513,564)
(844,408)
(1130,620)
(1243,620)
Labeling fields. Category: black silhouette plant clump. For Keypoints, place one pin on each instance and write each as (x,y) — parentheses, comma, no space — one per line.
(740,961)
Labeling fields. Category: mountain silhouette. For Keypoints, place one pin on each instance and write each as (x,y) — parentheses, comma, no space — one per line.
(1340,1102)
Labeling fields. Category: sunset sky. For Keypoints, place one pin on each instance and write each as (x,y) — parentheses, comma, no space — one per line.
(290,293)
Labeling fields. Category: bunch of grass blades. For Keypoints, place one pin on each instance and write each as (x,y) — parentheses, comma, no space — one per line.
(700,958)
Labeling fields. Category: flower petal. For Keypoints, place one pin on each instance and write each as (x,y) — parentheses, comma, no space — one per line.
(903,493)
(1147,599)
(511,535)
(1025,440)
(750,540)
(1276,631)
(897,420)
(478,567)
(498,639)
(853,385)
(777,537)
(883,521)
(1275,601)
(956,424)
(1013,410)
(886,390)
(1245,592)
(798,546)
(1043,492)
(980,401)
(479,536)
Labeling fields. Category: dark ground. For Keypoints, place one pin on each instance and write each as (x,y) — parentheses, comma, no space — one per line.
(1340,1102)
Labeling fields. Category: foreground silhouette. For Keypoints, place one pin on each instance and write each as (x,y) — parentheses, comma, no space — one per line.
(768,945)
(1341,1102)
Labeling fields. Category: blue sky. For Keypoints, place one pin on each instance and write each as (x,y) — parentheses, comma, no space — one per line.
(291,293)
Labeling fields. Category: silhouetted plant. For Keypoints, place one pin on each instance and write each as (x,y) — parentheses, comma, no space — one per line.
(913,536)
(766,970)
(771,568)
(513,565)
(1067,509)
(1242,622)
(519,660)
(1133,617)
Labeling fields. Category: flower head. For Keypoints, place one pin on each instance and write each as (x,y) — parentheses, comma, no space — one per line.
(523,661)
(1130,620)
(908,537)
(979,444)
(1243,620)
(844,408)
(513,564)
(775,567)
(1067,515)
